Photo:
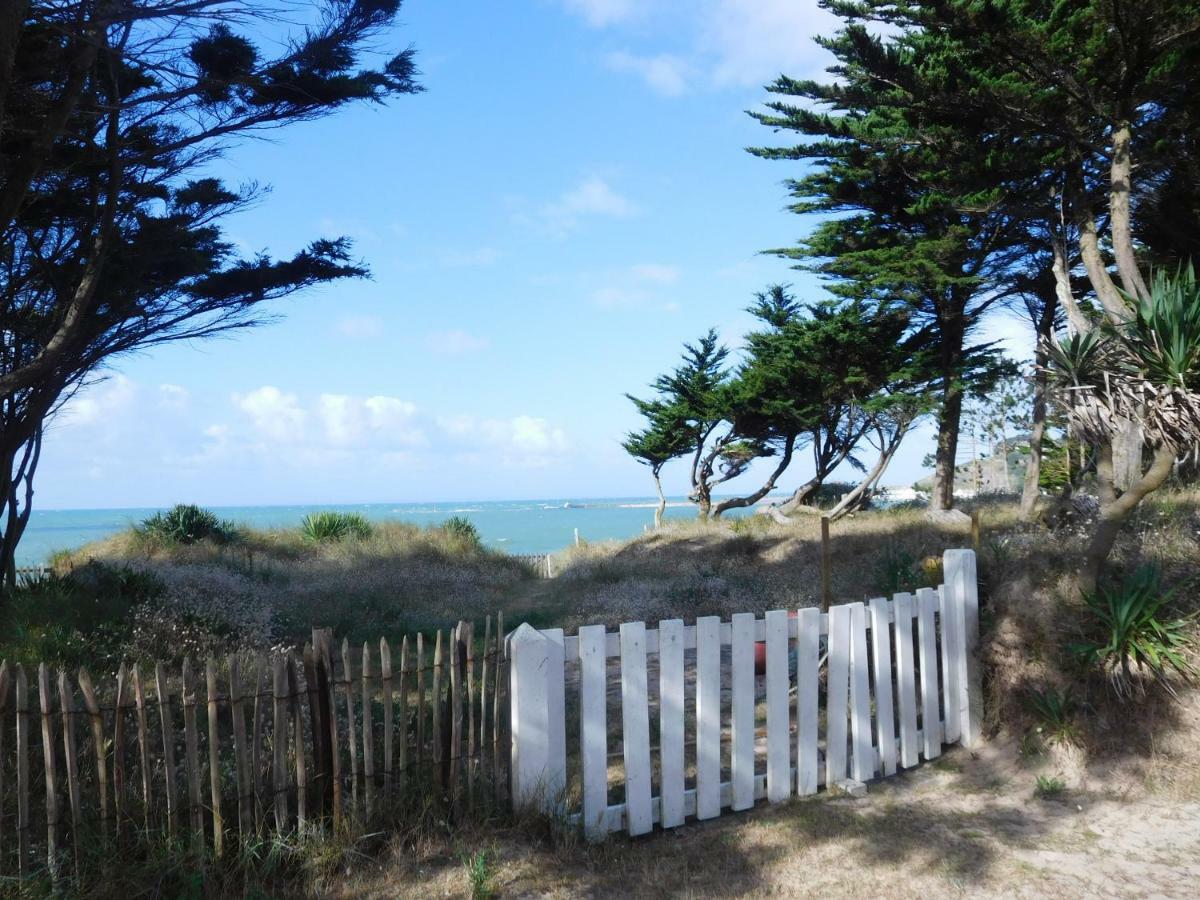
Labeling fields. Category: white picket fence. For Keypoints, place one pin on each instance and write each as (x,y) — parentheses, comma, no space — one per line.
(901,682)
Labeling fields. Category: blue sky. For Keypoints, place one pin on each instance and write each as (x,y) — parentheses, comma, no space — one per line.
(567,203)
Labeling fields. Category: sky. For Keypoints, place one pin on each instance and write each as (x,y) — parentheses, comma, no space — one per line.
(567,203)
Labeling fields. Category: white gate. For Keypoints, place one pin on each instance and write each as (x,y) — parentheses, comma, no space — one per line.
(901,681)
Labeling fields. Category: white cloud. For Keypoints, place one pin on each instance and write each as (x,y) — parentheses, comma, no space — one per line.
(664,73)
(361,327)
(455,342)
(173,396)
(275,415)
(522,441)
(355,421)
(593,196)
(599,13)
(753,41)
(618,297)
(656,273)
(100,403)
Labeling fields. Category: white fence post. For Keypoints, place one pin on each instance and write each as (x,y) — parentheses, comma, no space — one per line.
(531,743)
(962,586)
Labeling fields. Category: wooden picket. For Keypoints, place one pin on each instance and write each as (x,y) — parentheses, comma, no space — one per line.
(890,702)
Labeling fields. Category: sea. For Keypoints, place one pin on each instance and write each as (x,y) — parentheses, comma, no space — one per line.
(517,526)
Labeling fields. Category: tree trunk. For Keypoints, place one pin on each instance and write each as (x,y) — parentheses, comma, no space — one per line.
(850,500)
(1127,454)
(1114,513)
(662,500)
(1121,183)
(1041,359)
(947,447)
(768,485)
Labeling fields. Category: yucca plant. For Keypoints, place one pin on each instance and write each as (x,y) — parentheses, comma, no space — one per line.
(334,526)
(1055,712)
(186,523)
(1134,640)
(1163,339)
(462,528)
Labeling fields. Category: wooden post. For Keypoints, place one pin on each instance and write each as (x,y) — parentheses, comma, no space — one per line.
(420,704)
(326,686)
(50,771)
(530,721)
(118,751)
(66,699)
(4,679)
(435,702)
(191,748)
(404,670)
(298,724)
(214,757)
(237,709)
(385,685)
(139,699)
(975,529)
(826,568)
(348,686)
(97,722)
(279,742)
(962,588)
(168,738)
(470,767)
(497,761)
(23,823)
(368,735)
(319,730)
(483,696)
(256,755)
(457,652)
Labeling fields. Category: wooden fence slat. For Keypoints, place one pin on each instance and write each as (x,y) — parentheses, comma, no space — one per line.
(906,685)
(96,720)
(469,630)
(435,702)
(420,704)
(51,771)
(808,683)
(191,746)
(708,717)
(143,726)
(885,721)
(257,751)
(316,728)
(497,718)
(388,698)
(237,710)
(402,760)
(742,710)
(323,650)
(483,698)
(214,757)
(949,645)
(779,744)
(837,686)
(670,728)
(863,760)
(168,738)
(457,651)
(593,728)
(556,703)
(635,731)
(368,732)
(927,637)
(23,823)
(66,699)
(4,681)
(279,740)
(118,751)
(298,743)
(351,725)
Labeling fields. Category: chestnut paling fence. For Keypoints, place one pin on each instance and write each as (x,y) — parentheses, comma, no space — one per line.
(244,747)
(850,694)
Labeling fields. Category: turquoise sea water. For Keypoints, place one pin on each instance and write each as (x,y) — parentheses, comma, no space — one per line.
(517,526)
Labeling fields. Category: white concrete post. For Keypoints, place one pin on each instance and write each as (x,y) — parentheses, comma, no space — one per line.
(962,585)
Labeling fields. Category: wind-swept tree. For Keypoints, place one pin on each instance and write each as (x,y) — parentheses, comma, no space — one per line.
(664,438)
(110,227)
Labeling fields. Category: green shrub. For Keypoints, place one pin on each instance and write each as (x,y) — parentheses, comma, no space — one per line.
(334,526)
(1047,787)
(1132,639)
(462,528)
(186,523)
(1055,712)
